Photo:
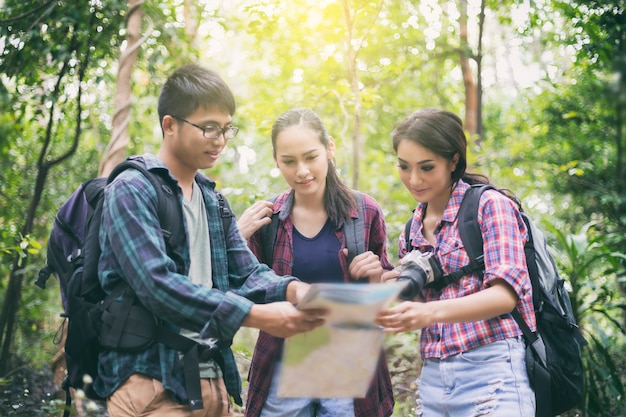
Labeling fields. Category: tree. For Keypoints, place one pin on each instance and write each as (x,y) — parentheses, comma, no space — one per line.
(465,55)
(51,46)
(116,149)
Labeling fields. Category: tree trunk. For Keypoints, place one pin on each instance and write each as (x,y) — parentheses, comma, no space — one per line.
(353,78)
(479,73)
(471,96)
(115,151)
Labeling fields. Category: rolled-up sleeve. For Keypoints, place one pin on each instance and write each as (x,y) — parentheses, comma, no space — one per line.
(504,234)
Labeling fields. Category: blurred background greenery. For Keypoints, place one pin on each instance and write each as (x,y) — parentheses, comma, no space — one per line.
(539,84)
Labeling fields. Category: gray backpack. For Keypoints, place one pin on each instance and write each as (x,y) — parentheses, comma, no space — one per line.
(353,229)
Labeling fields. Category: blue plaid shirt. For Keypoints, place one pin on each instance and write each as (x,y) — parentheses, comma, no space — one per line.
(133,248)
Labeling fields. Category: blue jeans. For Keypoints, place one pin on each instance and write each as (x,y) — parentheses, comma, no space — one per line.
(276,406)
(489,380)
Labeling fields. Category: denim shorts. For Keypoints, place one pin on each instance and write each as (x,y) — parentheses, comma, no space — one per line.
(489,380)
(276,406)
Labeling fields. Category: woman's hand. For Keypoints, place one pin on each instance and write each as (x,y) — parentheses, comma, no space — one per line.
(255,217)
(491,302)
(365,265)
(390,275)
(404,317)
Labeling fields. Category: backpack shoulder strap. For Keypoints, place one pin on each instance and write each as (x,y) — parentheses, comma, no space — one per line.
(169,209)
(355,231)
(467,219)
(407,234)
(471,236)
(268,237)
(225,211)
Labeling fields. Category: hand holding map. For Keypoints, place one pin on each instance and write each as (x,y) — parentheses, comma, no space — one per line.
(339,358)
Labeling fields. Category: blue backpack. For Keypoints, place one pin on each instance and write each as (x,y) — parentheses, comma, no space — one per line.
(96,322)
(553,354)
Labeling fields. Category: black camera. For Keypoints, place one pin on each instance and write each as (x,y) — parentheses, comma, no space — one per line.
(419,269)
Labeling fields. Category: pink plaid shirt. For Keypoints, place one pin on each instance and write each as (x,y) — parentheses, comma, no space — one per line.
(504,234)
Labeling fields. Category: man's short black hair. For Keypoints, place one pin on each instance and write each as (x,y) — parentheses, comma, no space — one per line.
(192,87)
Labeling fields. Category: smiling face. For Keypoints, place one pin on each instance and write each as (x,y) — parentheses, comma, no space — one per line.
(426,175)
(303,159)
(187,144)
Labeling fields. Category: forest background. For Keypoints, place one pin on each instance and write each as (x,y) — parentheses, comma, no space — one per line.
(540,84)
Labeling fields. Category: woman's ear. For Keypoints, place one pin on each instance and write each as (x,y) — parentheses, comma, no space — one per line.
(330,148)
(454,162)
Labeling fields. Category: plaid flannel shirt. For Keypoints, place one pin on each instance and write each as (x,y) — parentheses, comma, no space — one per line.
(133,248)
(504,234)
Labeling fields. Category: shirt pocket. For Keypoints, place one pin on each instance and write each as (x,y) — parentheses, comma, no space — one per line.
(453,256)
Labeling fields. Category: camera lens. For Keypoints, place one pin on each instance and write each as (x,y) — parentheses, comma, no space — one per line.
(416,278)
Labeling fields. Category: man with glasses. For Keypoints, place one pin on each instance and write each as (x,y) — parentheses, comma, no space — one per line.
(222,286)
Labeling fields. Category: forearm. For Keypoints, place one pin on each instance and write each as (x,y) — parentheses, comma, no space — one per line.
(492,302)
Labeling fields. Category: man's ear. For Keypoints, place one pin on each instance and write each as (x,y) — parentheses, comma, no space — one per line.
(167,125)
(330,148)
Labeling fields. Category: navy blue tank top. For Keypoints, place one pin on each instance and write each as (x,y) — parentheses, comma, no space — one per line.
(316,259)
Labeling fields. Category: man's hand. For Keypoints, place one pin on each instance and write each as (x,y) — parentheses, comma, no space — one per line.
(255,217)
(283,319)
(296,290)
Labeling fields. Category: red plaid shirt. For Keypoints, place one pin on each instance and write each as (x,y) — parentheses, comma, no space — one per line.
(504,234)
(379,401)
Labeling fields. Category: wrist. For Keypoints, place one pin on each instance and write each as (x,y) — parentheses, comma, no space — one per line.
(255,317)
(296,291)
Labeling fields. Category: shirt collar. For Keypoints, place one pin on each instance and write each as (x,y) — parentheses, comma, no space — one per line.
(154,163)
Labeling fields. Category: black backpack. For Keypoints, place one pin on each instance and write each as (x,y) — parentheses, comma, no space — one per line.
(96,322)
(553,357)
(353,229)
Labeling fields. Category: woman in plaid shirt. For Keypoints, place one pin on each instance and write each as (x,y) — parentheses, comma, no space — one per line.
(311,245)
(473,351)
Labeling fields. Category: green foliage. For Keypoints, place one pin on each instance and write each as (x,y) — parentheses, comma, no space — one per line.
(48,49)
(555,144)
(592,269)
(26,246)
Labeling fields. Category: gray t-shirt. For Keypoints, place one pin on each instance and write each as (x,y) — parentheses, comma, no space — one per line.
(200,267)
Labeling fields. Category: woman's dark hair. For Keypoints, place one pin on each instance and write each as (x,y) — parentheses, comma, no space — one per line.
(338,197)
(192,87)
(442,133)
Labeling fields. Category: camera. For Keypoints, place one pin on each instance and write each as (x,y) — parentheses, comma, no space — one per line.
(418,268)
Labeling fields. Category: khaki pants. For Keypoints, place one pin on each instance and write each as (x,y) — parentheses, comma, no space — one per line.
(141,396)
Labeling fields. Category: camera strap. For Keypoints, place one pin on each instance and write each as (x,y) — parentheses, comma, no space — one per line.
(475,265)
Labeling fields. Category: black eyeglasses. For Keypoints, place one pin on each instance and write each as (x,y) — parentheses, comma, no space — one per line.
(212,131)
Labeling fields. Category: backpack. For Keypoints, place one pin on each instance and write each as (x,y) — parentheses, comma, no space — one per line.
(353,229)
(553,354)
(96,322)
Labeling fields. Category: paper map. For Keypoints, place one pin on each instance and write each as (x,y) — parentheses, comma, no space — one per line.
(339,358)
